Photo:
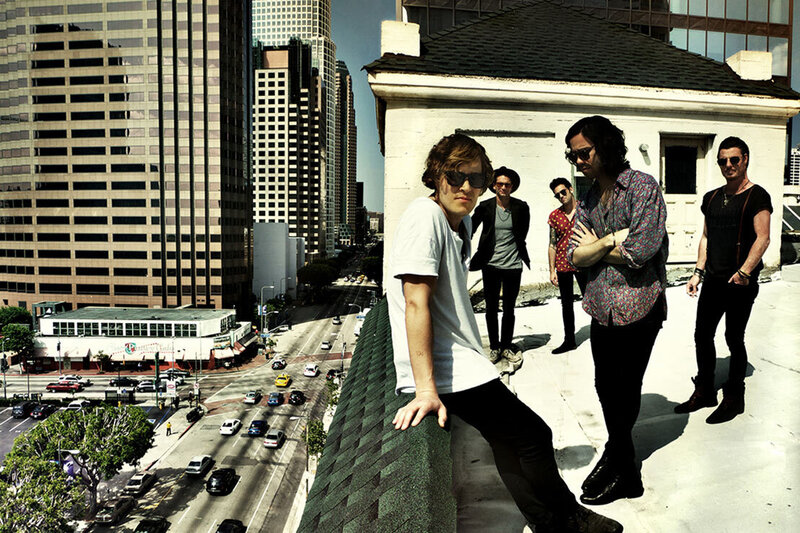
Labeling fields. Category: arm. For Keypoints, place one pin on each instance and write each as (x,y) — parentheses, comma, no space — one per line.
(694,281)
(417,291)
(551,256)
(591,249)
(477,218)
(761,226)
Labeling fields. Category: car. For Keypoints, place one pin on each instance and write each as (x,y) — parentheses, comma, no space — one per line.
(176,372)
(253,397)
(275,398)
(112,512)
(152,525)
(311,370)
(333,373)
(230,426)
(77,405)
(199,465)
(195,414)
(274,438)
(296,397)
(139,483)
(229,525)
(172,377)
(283,380)
(123,382)
(64,387)
(337,321)
(257,428)
(23,410)
(43,410)
(149,386)
(279,363)
(221,481)
(326,345)
(72,378)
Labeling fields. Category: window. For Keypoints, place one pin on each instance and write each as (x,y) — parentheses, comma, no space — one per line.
(127,185)
(138,272)
(47,63)
(83,45)
(89,185)
(48,82)
(87,62)
(136,329)
(91,288)
(91,271)
(131,290)
(82,98)
(91,237)
(88,133)
(128,202)
(52,220)
(88,150)
(89,202)
(53,254)
(129,254)
(88,329)
(88,168)
(53,45)
(88,115)
(52,202)
(55,288)
(112,329)
(91,254)
(54,271)
(50,134)
(45,152)
(49,99)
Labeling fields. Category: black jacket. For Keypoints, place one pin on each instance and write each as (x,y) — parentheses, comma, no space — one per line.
(485,213)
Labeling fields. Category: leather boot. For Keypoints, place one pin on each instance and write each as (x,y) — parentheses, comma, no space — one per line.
(732,404)
(599,474)
(704,395)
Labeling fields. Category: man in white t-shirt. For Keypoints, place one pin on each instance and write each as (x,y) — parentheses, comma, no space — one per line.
(438,354)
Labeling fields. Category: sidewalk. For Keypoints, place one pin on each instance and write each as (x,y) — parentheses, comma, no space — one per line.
(741,476)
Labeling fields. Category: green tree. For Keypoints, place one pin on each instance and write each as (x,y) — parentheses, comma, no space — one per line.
(18,339)
(318,275)
(106,438)
(373,268)
(103,359)
(315,437)
(332,393)
(14,315)
(36,495)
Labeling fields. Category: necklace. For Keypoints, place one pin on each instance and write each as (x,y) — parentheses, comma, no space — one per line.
(500,212)
(727,197)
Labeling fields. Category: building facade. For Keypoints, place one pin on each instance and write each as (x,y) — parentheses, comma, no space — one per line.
(794,167)
(288,143)
(124,137)
(275,22)
(346,146)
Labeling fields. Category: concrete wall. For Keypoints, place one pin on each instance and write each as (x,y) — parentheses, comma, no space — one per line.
(275,259)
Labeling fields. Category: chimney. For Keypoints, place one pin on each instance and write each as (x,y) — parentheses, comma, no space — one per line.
(751,65)
(399,38)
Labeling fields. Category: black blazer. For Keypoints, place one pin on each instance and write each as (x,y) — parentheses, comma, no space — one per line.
(485,213)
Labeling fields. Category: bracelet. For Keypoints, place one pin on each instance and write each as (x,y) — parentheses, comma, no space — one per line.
(743,274)
(700,273)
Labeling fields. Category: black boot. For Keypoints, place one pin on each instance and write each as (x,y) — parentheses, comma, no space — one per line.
(599,475)
(732,404)
(567,346)
(704,395)
(619,483)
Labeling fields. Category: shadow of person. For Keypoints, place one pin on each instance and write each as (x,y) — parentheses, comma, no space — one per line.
(530,342)
(582,335)
(722,368)
(574,457)
(657,425)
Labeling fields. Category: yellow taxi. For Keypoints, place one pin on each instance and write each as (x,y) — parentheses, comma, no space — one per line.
(283,380)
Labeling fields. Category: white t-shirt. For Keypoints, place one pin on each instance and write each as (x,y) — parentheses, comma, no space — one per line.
(425,245)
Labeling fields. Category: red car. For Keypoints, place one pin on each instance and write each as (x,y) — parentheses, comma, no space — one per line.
(64,387)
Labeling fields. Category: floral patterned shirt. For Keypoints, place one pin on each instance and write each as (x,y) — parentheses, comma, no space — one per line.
(563,228)
(622,294)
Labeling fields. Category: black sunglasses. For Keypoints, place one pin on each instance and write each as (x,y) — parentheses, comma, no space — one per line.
(722,161)
(560,193)
(455,178)
(582,154)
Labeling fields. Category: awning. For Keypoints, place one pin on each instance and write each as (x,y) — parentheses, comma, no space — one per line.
(123,357)
(224,353)
(237,348)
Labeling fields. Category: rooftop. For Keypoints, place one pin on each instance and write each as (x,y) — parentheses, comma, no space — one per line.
(140,314)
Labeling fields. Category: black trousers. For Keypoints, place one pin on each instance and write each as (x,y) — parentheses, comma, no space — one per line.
(565,289)
(493,280)
(522,445)
(621,354)
(717,298)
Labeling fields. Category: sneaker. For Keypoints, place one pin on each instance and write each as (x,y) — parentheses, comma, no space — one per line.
(515,358)
(494,356)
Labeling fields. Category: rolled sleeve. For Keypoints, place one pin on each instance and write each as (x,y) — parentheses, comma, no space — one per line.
(583,217)
(648,225)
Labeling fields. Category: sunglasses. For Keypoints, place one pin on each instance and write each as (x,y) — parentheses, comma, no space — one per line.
(560,193)
(723,161)
(503,185)
(457,179)
(582,154)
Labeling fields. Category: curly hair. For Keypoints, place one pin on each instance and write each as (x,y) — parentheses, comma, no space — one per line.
(560,181)
(450,152)
(608,141)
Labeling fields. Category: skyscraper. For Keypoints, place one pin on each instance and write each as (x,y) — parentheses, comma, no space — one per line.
(125,137)
(346,137)
(794,166)
(274,23)
(288,143)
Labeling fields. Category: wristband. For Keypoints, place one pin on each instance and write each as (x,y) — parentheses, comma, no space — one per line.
(700,273)
(743,274)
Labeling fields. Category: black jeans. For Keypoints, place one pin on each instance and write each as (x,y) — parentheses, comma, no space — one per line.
(493,279)
(522,444)
(565,290)
(621,354)
(718,297)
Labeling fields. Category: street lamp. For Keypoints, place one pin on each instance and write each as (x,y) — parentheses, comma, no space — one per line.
(4,364)
(356,305)
(261,309)
(287,284)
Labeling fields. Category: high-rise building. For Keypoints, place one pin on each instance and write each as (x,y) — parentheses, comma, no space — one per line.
(288,143)
(346,137)
(274,23)
(713,28)
(125,136)
(794,166)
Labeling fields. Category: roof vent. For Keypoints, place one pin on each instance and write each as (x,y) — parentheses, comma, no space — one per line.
(399,38)
(751,65)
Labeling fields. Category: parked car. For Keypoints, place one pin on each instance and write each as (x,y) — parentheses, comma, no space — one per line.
(140,483)
(113,511)
(43,410)
(275,398)
(230,525)
(283,380)
(123,382)
(326,345)
(337,321)
(23,410)
(296,397)
(77,405)
(253,397)
(199,465)
(195,414)
(152,525)
(333,373)
(230,426)
(221,481)
(149,386)
(274,438)
(257,428)
(311,370)
(64,387)
(72,378)
(279,363)
(174,377)
(176,372)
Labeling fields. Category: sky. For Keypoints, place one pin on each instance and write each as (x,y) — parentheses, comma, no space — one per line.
(356,28)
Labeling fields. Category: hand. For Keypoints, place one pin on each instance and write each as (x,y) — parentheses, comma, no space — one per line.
(582,236)
(423,404)
(554,279)
(736,279)
(691,286)
(621,235)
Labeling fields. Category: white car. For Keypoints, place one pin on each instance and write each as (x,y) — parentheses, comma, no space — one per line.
(199,465)
(274,438)
(253,397)
(230,426)
(311,370)
(78,405)
(139,483)
(72,378)
(326,345)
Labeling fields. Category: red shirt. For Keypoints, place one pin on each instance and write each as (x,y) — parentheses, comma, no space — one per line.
(563,227)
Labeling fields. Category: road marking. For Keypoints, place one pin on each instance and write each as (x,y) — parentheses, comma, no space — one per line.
(18,425)
(6,420)
(184,515)
(214,523)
